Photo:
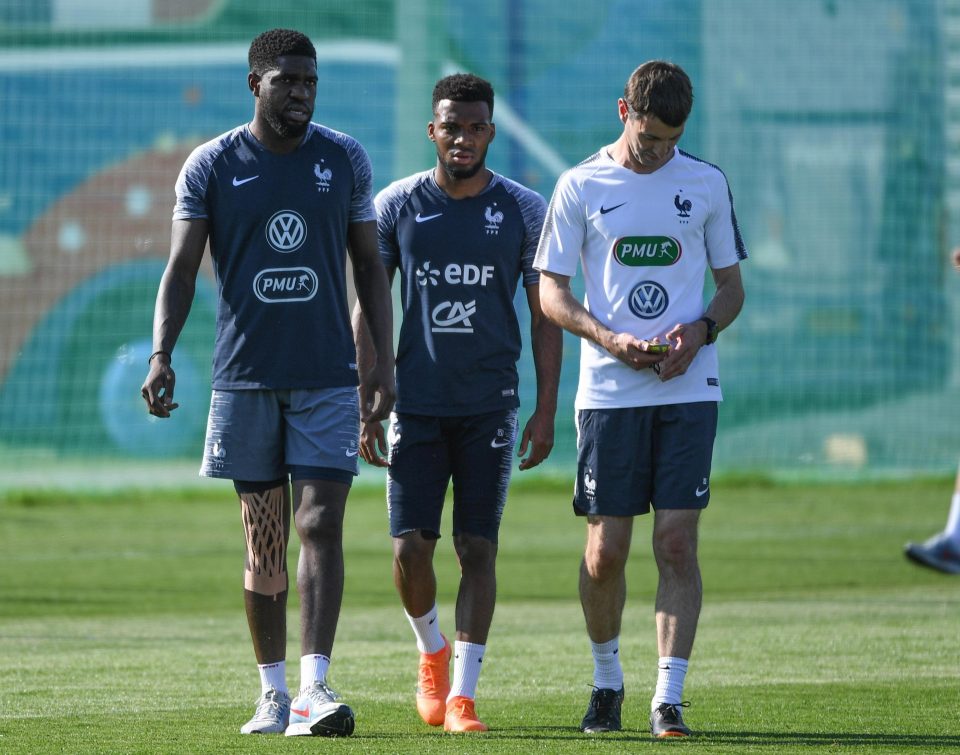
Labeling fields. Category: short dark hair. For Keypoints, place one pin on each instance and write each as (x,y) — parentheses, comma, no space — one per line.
(463,87)
(660,88)
(267,47)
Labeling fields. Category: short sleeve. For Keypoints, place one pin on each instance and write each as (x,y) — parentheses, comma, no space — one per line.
(722,236)
(564,230)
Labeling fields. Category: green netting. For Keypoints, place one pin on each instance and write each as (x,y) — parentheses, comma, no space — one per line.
(831,118)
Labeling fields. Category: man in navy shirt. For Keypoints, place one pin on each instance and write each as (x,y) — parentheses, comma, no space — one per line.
(461,237)
(282,201)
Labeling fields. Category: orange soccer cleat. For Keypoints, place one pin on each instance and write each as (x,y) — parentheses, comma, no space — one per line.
(433,685)
(461,716)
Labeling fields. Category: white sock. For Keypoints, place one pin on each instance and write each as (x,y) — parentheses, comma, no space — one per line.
(952,530)
(273,676)
(313,668)
(670,675)
(467,662)
(607,671)
(427,630)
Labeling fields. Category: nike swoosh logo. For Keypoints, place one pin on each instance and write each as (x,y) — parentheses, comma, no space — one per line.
(605,210)
(351,452)
(499,444)
(703,492)
(242,181)
(424,218)
(303,713)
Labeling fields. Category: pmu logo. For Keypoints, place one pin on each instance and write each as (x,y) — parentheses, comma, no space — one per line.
(647,251)
(453,317)
(286,231)
(278,285)
(648,300)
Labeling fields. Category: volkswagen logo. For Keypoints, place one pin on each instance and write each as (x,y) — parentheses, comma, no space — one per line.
(648,300)
(286,231)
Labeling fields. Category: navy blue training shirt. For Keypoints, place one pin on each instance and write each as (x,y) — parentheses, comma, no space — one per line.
(278,238)
(460,261)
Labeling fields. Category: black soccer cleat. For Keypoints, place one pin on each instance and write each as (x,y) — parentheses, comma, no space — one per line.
(937,553)
(667,721)
(604,711)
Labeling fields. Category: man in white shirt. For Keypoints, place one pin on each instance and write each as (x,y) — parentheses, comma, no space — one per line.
(643,220)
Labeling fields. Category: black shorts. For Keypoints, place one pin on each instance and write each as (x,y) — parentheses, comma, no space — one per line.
(631,459)
(427,452)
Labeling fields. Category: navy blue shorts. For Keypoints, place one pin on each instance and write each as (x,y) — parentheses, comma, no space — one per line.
(476,452)
(262,434)
(631,459)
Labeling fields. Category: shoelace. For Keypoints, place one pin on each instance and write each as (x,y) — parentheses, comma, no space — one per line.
(266,707)
(604,699)
(427,678)
(463,708)
(669,712)
(320,693)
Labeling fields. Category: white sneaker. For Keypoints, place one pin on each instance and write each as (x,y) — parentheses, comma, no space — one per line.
(272,714)
(315,712)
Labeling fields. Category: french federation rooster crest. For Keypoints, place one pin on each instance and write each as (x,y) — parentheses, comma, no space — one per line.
(589,484)
(494,219)
(323,177)
(685,206)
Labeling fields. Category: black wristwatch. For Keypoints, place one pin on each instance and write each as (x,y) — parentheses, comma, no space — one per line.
(713,330)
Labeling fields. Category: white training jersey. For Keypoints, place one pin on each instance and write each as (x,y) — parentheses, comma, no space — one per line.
(643,241)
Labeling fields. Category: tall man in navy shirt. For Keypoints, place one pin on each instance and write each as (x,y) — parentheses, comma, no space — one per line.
(461,237)
(282,201)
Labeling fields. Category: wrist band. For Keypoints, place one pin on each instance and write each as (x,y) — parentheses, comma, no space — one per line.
(166,353)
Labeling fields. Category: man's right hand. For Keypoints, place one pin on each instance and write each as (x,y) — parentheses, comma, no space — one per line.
(373,444)
(157,389)
(632,352)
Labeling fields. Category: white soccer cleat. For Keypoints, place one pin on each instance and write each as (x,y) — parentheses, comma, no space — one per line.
(316,713)
(272,714)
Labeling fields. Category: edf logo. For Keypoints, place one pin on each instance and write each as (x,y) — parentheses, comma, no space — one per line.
(648,300)
(455,274)
(467,275)
(286,231)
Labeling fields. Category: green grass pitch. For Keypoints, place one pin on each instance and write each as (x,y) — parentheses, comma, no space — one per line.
(122,630)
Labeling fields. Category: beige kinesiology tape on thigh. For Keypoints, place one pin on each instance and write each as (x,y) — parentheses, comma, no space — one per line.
(265,571)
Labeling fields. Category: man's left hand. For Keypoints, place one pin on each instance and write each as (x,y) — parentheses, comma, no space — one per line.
(378,391)
(687,339)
